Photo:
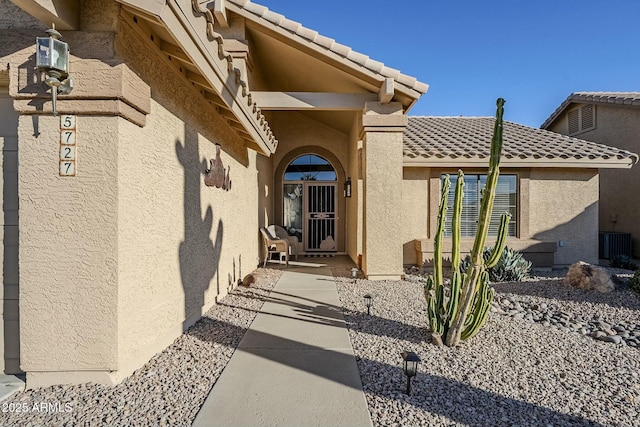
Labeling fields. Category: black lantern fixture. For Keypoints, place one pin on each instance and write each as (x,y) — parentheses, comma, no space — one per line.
(347,187)
(52,58)
(368,301)
(411,361)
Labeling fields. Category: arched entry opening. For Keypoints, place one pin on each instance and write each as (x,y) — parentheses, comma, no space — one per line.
(310,202)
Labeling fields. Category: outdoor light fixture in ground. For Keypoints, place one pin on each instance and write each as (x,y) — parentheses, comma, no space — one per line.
(411,361)
(368,301)
(354,274)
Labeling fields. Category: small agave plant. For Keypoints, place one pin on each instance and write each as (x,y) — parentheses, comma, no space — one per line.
(457,312)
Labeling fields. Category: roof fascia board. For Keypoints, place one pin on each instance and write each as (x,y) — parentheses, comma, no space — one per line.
(452,163)
(188,29)
(216,70)
(315,50)
(65,14)
(319,101)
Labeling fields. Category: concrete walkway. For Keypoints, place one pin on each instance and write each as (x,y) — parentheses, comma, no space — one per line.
(295,365)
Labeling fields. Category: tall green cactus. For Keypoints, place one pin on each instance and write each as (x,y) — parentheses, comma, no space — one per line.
(460,313)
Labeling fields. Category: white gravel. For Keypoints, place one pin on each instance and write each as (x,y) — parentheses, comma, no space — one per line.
(167,391)
(513,373)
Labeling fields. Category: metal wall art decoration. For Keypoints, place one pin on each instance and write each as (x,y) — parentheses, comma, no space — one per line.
(216,176)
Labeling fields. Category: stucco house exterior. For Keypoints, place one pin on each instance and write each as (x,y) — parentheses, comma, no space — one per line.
(106,267)
(548,182)
(611,118)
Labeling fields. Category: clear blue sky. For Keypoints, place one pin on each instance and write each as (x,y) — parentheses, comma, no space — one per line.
(533,53)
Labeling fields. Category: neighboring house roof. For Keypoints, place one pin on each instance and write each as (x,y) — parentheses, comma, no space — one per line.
(307,36)
(627,99)
(466,141)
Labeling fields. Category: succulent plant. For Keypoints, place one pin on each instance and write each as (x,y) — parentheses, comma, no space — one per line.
(634,282)
(511,266)
(623,261)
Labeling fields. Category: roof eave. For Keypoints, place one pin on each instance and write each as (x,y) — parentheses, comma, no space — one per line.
(524,163)
(406,86)
(192,30)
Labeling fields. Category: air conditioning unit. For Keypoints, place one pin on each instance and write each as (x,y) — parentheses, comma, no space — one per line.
(611,243)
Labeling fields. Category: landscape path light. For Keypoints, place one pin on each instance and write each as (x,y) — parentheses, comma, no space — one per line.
(368,301)
(411,361)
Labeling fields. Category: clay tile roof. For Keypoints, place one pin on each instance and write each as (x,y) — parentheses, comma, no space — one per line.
(626,99)
(270,18)
(456,141)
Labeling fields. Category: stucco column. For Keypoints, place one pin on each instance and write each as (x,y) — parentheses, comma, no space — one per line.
(68,225)
(383,128)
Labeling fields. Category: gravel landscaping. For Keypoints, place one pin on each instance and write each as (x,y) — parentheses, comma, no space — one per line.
(515,372)
(539,361)
(167,391)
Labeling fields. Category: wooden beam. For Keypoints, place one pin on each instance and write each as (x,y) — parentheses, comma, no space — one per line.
(220,13)
(320,101)
(174,51)
(65,14)
(387,90)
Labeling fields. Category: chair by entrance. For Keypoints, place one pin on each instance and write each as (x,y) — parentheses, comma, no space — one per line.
(277,240)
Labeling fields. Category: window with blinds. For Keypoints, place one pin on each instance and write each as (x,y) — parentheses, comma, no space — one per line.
(505,201)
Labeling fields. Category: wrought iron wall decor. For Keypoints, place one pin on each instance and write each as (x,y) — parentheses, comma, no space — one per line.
(216,176)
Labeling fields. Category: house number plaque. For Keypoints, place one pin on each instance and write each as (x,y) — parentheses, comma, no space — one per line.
(68,134)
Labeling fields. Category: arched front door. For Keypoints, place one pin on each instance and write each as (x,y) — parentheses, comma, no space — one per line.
(310,202)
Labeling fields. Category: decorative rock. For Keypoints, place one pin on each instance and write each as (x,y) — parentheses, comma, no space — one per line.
(589,277)
(612,338)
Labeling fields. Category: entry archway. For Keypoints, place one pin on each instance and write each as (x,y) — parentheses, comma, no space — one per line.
(309,204)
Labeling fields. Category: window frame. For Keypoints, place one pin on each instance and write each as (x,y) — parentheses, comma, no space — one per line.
(479,178)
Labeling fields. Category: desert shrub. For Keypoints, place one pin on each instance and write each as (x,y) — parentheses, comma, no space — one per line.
(634,282)
(512,266)
(623,261)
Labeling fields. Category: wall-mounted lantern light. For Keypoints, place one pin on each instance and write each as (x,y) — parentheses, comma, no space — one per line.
(347,187)
(52,57)
(411,361)
(368,301)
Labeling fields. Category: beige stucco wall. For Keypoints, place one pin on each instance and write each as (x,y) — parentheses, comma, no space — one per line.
(617,127)
(554,205)
(564,207)
(415,210)
(68,249)
(188,244)
(120,259)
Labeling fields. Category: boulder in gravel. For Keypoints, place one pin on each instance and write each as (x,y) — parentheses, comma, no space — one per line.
(586,276)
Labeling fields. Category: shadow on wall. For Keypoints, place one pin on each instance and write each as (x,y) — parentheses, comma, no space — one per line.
(199,256)
(577,238)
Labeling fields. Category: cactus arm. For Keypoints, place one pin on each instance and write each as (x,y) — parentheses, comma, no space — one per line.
(435,322)
(501,241)
(456,228)
(489,195)
(437,243)
(481,309)
(452,305)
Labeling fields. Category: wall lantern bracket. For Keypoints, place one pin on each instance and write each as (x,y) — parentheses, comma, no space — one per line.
(52,58)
